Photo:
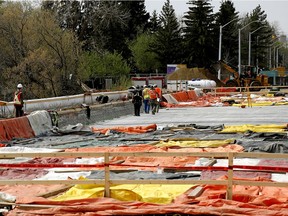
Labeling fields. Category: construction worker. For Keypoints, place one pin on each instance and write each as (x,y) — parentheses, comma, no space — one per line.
(146,98)
(153,99)
(137,101)
(159,97)
(18,101)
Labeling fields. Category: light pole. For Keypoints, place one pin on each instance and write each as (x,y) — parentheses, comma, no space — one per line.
(249,53)
(277,53)
(239,45)
(220,43)
(270,55)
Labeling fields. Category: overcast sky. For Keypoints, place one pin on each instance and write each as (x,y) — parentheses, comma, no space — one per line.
(277,11)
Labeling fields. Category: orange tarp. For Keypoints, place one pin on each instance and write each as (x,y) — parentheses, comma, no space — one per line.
(247,203)
(151,163)
(15,128)
(129,130)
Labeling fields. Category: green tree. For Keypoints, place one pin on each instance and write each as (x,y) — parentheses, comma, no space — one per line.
(138,18)
(145,60)
(261,37)
(40,55)
(167,43)
(93,65)
(226,14)
(199,34)
(154,22)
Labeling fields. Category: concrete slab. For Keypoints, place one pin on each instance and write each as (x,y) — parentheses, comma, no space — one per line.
(205,116)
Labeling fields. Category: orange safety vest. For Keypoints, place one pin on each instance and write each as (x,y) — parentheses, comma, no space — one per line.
(159,92)
(153,94)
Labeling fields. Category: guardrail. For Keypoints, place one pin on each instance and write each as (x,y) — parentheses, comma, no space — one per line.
(106,166)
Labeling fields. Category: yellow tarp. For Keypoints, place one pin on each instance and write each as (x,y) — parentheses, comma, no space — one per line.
(152,193)
(263,103)
(255,128)
(195,143)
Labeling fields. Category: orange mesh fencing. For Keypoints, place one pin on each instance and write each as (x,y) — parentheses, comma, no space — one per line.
(15,128)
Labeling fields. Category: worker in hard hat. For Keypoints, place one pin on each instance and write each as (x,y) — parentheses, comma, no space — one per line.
(153,99)
(146,98)
(137,101)
(18,101)
(159,97)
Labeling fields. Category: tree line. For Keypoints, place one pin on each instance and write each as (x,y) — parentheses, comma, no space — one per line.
(53,47)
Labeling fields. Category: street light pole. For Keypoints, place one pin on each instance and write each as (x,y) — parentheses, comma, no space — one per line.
(249,53)
(220,43)
(270,55)
(239,45)
(277,54)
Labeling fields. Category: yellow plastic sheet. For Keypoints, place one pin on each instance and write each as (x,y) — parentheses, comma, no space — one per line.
(152,193)
(195,143)
(272,128)
(263,103)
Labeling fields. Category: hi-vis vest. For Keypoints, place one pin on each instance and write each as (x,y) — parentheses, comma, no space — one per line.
(17,97)
(153,94)
(146,94)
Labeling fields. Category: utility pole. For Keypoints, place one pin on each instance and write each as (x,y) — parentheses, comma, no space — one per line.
(220,43)
(239,44)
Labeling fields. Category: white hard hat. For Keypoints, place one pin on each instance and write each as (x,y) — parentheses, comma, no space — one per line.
(19,85)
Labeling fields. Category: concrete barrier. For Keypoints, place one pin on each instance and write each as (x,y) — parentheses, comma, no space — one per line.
(64,102)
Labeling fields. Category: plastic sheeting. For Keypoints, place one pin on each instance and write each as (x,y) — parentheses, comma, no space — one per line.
(40,122)
(129,130)
(254,128)
(247,200)
(152,193)
(262,103)
(195,143)
(15,128)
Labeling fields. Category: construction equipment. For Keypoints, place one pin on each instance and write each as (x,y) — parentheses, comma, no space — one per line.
(248,78)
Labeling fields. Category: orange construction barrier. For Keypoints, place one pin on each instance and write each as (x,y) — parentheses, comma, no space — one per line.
(15,128)
(180,96)
(192,95)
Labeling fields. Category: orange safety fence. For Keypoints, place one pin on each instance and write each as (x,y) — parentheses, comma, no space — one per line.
(129,130)
(15,128)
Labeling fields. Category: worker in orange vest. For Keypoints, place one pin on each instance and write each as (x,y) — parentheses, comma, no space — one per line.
(153,99)
(159,98)
(18,101)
